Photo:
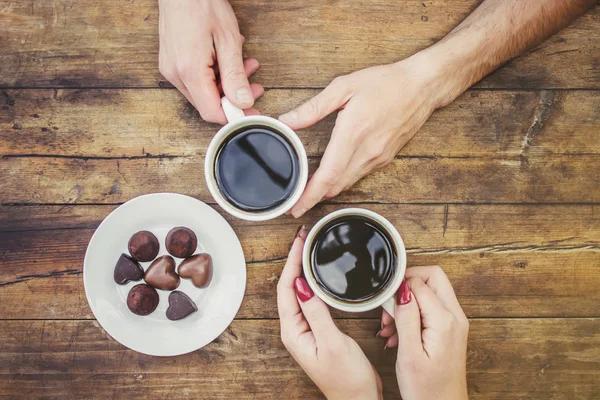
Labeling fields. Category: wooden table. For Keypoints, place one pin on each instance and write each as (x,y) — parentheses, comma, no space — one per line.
(501,188)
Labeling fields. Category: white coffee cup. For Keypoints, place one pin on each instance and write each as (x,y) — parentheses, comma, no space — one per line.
(236,120)
(385,298)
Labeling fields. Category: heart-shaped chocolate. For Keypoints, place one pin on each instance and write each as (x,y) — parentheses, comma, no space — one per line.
(180,306)
(127,269)
(198,268)
(161,274)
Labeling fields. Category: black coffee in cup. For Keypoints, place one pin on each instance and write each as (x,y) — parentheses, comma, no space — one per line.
(353,258)
(256,168)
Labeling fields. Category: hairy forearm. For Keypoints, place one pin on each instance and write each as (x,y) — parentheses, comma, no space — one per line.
(495,32)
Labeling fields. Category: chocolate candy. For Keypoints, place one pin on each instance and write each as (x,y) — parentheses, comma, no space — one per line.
(180,306)
(142,299)
(198,268)
(143,246)
(181,242)
(127,269)
(161,274)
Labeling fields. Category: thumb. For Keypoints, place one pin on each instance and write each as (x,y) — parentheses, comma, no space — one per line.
(330,99)
(232,73)
(408,323)
(316,313)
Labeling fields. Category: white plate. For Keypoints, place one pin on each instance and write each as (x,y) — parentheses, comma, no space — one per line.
(217,304)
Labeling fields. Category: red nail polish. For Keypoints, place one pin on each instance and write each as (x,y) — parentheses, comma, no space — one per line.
(404,295)
(303,291)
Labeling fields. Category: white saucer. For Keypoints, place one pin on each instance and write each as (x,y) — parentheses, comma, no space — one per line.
(217,304)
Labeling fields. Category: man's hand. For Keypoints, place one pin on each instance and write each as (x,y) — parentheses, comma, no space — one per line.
(201,55)
(381,109)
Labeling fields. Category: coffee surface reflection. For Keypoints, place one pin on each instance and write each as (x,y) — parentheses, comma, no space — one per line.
(353,259)
(256,169)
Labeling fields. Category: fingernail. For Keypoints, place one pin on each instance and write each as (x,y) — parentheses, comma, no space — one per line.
(303,291)
(299,213)
(385,346)
(289,117)
(243,95)
(378,333)
(404,294)
(302,232)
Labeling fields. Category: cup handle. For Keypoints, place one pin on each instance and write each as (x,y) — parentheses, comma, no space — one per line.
(389,305)
(232,113)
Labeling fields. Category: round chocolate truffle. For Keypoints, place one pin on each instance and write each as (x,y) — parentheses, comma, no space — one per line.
(181,242)
(142,299)
(143,246)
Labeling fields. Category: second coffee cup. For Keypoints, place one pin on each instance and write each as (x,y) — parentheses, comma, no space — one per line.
(354,260)
(256,166)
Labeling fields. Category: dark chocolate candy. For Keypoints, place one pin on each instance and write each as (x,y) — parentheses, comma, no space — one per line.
(142,299)
(180,306)
(181,242)
(143,246)
(127,269)
(161,274)
(198,268)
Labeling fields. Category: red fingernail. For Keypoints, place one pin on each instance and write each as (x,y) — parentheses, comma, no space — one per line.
(303,291)
(404,295)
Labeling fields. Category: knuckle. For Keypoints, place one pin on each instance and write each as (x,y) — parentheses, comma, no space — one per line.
(233,74)
(185,70)
(463,322)
(166,70)
(285,338)
(330,178)
(339,81)
(337,189)
(447,322)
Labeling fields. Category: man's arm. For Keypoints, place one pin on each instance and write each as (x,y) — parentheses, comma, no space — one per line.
(381,108)
(497,31)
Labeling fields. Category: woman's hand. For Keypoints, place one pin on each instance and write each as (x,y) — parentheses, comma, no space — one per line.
(381,108)
(201,55)
(331,359)
(430,330)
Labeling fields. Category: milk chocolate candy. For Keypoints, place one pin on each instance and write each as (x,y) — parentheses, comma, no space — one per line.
(161,274)
(198,268)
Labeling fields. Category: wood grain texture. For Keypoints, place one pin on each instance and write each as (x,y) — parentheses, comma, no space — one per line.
(549,179)
(118,123)
(508,358)
(88,43)
(504,261)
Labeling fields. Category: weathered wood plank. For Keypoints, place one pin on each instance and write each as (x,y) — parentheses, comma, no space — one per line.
(87,43)
(507,358)
(548,179)
(488,284)
(130,123)
(499,258)
(466,227)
